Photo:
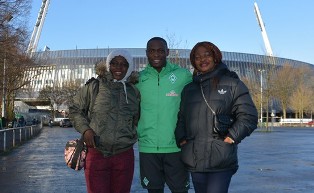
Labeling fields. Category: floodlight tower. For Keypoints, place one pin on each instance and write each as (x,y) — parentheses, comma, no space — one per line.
(269,51)
(32,46)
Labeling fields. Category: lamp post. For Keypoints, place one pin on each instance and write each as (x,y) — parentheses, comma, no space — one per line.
(7,18)
(3,105)
(261,71)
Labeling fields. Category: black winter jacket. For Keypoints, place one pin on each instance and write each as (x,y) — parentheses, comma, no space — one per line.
(206,151)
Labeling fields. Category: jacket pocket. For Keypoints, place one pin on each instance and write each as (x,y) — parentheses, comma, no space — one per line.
(222,155)
(188,155)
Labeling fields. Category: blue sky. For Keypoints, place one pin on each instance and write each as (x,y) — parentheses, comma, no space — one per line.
(231,25)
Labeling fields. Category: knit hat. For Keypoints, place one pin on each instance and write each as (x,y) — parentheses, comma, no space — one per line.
(125,54)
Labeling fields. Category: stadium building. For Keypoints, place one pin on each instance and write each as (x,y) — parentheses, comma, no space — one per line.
(59,67)
(56,68)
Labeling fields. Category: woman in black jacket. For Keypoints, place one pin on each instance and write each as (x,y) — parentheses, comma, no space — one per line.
(210,153)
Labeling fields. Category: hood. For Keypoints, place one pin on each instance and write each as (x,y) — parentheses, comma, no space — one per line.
(219,70)
(129,59)
(127,56)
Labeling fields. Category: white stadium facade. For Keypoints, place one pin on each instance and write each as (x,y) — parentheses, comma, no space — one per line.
(58,67)
(55,68)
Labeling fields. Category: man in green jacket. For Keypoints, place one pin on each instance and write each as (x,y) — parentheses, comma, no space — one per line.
(160,85)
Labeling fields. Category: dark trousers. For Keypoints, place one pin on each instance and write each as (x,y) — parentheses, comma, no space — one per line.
(159,168)
(109,174)
(212,182)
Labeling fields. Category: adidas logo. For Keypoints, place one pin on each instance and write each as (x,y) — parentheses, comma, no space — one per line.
(222,91)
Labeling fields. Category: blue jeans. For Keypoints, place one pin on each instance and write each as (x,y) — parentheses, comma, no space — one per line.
(212,182)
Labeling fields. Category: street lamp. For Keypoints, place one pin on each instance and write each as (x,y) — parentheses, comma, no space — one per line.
(261,71)
(3,105)
(7,18)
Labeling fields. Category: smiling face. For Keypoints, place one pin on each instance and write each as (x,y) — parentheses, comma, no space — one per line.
(118,67)
(204,60)
(157,53)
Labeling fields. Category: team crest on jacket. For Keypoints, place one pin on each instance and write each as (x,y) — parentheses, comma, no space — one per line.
(172,78)
(172,93)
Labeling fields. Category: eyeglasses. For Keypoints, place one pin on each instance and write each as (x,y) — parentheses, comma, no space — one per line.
(206,55)
(158,51)
(118,64)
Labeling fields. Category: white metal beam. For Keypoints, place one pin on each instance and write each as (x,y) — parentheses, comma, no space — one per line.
(32,46)
(269,51)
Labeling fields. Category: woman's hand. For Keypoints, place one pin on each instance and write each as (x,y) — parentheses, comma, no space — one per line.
(89,138)
(229,140)
(182,143)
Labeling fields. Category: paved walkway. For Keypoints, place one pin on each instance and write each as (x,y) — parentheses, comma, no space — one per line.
(277,162)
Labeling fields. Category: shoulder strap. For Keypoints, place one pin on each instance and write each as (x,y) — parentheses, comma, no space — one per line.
(93,94)
(206,100)
(78,149)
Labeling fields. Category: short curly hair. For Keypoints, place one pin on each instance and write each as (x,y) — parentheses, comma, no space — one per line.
(210,47)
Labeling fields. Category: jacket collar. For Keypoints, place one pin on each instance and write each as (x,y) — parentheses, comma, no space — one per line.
(165,70)
(219,70)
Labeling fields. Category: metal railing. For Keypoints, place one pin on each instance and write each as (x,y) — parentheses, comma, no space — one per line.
(11,137)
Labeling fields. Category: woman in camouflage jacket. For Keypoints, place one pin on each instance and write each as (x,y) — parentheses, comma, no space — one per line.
(106,111)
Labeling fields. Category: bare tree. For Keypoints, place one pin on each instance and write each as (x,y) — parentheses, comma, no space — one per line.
(69,89)
(269,68)
(60,95)
(300,100)
(310,109)
(54,95)
(284,85)
(254,88)
(176,54)
(13,40)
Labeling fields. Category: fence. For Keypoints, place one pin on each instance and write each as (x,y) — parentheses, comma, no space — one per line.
(294,121)
(12,137)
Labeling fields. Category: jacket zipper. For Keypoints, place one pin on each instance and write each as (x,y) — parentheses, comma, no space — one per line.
(158,111)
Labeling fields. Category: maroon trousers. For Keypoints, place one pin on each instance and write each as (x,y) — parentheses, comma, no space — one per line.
(109,174)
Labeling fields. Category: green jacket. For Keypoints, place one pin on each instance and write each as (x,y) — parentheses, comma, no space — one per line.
(160,101)
(102,106)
